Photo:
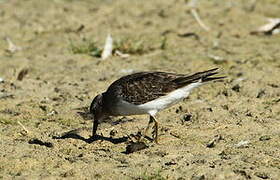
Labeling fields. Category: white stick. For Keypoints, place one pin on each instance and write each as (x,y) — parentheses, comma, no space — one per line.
(197,18)
(108,47)
(12,47)
(24,128)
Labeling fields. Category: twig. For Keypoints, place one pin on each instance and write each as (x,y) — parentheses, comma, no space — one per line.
(123,55)
(12,48)
(108,47)
(197,18)
(23,127)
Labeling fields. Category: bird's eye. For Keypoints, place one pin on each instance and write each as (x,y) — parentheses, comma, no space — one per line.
(95,104)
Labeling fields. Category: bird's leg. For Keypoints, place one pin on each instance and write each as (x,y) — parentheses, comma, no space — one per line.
(148,127)
(146,130)
(155,136)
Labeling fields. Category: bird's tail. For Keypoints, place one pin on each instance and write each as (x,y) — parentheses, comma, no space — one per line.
(204,76)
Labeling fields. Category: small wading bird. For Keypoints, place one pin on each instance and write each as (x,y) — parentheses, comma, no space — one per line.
(146,93)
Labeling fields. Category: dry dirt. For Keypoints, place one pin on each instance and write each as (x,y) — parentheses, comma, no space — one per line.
(224,130)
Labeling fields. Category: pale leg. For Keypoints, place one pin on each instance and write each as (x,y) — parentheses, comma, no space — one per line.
(148,127)
(156,128)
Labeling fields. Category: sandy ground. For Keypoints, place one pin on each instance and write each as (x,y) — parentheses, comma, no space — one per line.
(224,130)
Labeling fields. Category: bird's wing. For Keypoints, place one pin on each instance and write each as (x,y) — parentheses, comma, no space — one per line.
(143,87)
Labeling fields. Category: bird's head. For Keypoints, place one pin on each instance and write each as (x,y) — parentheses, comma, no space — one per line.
(96,108)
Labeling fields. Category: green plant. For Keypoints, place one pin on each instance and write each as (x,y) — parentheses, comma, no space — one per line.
(132,45)
(88,47)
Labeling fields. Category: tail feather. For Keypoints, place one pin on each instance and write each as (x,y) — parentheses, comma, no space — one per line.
(212,78)
(204,76)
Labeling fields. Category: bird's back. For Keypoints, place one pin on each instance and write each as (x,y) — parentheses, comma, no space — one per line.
(142,87)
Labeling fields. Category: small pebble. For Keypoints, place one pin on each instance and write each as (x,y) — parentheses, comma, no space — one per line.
(236,88)
(242,144)
(113,132)
(135,146)
(211,144)
(265,138)
(186,117)
(261,175)
(170,163)
(261,93)
(214,141)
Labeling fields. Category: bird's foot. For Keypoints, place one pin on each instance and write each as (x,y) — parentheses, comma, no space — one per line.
(135,137)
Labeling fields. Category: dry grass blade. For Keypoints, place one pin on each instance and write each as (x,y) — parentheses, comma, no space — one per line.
(23,127)
(197,18)
(272,27)
(192,5)
(12,48)
(123,55)
(108,47)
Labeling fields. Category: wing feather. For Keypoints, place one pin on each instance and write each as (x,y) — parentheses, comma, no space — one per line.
(143,87)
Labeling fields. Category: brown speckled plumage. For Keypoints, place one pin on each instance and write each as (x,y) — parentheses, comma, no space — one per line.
(142,87)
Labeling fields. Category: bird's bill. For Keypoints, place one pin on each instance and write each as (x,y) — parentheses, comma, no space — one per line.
(95,125)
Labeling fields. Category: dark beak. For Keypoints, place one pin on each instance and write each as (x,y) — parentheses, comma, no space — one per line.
(95,125)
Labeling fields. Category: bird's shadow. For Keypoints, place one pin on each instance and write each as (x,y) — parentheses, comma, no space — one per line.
(86,115)
(73,134)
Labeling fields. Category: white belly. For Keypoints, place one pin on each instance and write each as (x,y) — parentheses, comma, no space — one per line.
(124,108)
